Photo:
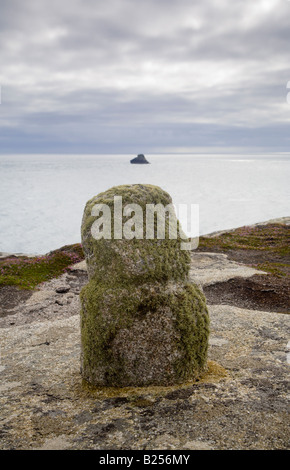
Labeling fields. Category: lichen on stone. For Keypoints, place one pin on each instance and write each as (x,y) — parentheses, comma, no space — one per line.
(142,321)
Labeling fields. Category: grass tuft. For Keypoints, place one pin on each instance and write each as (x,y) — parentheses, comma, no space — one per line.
(27,273)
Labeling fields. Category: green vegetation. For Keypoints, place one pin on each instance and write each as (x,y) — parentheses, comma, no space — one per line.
(277,269)
(273,237)
(108,310)
(136,396)
(267,246)
(27,273)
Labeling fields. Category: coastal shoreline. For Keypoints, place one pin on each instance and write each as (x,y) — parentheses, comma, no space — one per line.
(279,220)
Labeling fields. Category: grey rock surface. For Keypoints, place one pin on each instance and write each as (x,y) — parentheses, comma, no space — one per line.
(241,403)
(210,268)
(44,404)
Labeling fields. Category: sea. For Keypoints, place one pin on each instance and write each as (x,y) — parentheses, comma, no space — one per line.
(42,197)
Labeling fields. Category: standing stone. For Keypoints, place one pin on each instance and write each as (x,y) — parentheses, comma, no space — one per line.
(142,321)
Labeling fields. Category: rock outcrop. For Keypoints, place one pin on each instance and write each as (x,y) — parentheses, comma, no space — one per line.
(139,159)
(240,403)
(143,322)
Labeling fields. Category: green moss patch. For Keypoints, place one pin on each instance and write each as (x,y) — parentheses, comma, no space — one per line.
(27,273)
(143,396)
(272,237)
(135,260)
(264,247)
(106,312)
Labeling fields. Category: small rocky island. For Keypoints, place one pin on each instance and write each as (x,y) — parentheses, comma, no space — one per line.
(139,159)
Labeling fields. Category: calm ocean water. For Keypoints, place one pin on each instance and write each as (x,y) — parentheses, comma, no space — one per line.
(42,197)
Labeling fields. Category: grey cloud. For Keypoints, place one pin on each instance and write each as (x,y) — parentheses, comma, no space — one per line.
(110,71)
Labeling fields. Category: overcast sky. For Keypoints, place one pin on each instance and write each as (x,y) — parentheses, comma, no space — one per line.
(144,76)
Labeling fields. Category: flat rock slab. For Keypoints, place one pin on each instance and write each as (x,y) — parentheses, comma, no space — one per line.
(210,268)
(206,268)
(81,266)
(44,404)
